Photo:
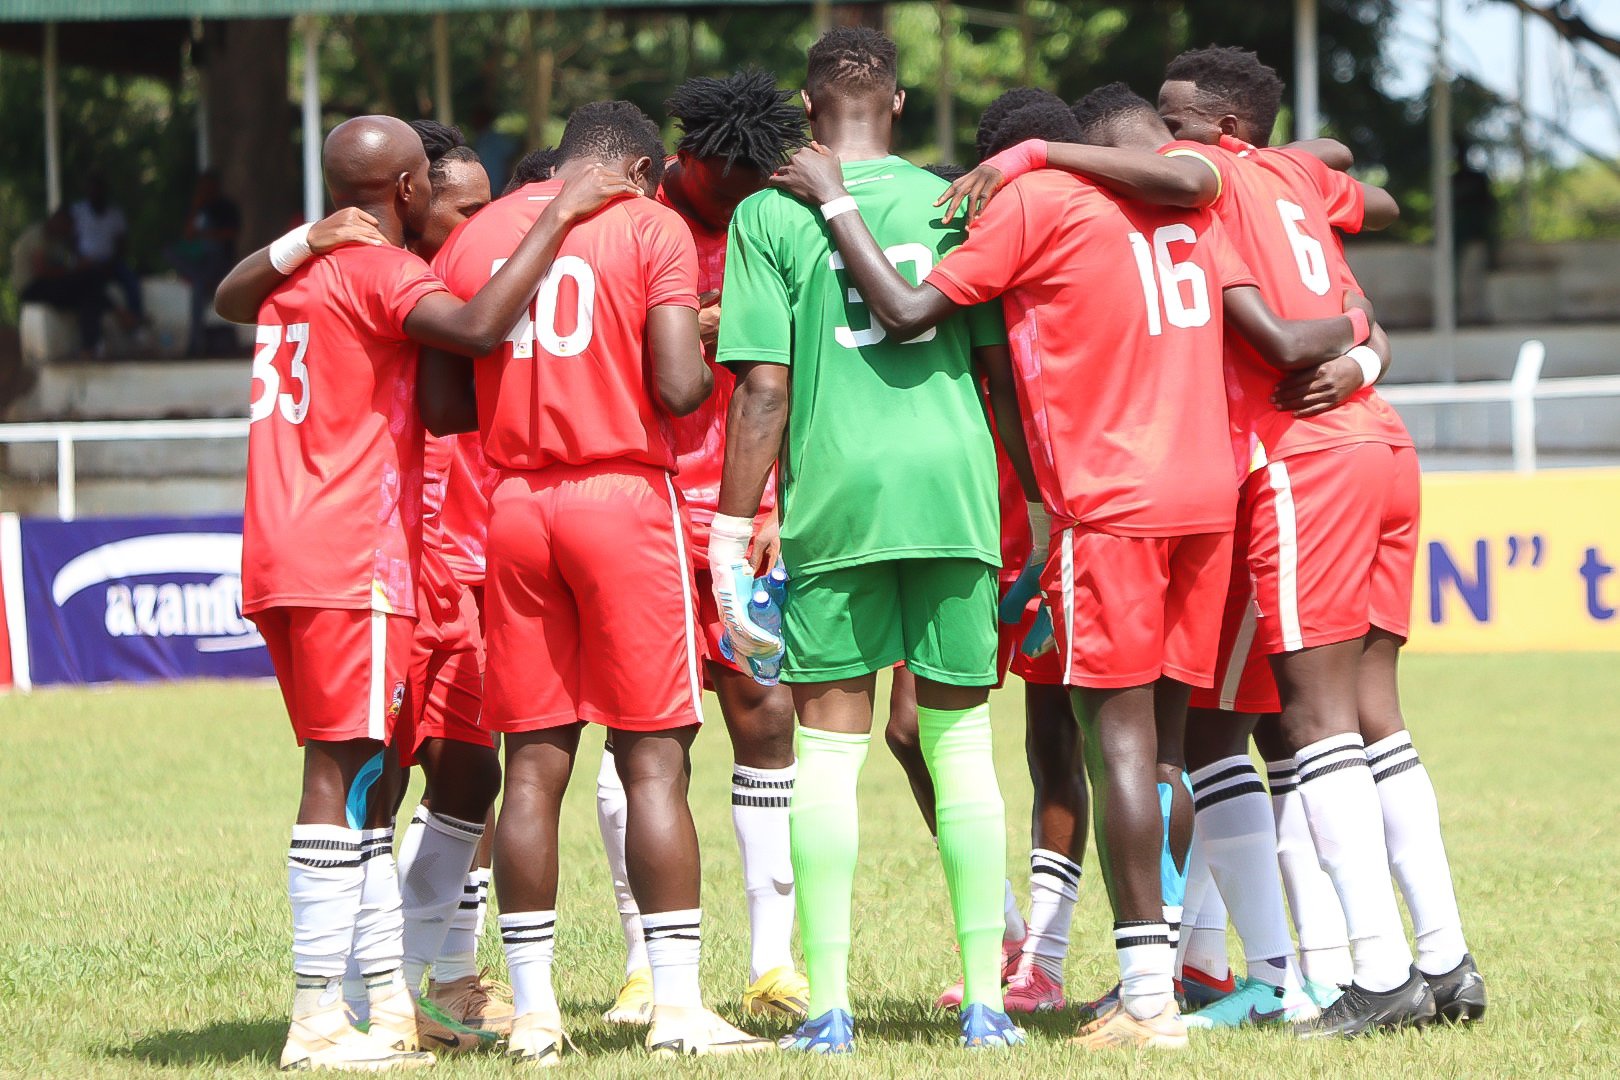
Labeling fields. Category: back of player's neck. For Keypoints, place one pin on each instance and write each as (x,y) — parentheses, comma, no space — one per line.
(388,222)
(855,138)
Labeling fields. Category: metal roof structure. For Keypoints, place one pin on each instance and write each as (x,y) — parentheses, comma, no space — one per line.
(104,10)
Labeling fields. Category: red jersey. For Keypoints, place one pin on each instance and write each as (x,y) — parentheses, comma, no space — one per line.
(1280,208)
(456,482)
(700,437)
(1114,321)
(333,517)
(572,383)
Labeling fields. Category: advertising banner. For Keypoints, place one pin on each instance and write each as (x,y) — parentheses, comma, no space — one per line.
(128,599)
(1514,562)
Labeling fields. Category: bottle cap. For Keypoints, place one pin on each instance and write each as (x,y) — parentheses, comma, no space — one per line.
(761,597)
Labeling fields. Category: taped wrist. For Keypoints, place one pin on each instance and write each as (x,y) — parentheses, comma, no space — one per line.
(729,537)
(1359,325)
(1015,161)
(290,251)
(1369,363)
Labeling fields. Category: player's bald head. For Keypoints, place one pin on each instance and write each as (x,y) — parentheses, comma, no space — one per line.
(364,159)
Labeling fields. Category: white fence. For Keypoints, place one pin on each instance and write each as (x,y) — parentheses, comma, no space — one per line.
(67,435)
(1520,393)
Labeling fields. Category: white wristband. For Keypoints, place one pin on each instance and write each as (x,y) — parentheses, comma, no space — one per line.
(289,252)
(841,205)
(1369,363)
(1040,524)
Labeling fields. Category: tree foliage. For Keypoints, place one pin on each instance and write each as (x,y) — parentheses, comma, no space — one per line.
(141,131)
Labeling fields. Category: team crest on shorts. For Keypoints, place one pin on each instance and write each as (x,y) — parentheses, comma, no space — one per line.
(397,702)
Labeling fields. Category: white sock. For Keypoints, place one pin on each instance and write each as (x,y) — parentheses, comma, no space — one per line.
(458,956)
(759,814)
(1013,927)
(1145,960)
(611,811)
(674,944)
(313,994)
(1172,925)
(530,941)
(1324,942)
(355,994)
(379,943)
(1347,823)
(431,882)
(1417,854)
(1054,886)
(324,883)
(1203,920)
(1233,820)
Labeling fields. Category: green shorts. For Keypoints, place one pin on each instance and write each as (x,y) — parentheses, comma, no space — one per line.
(938,615)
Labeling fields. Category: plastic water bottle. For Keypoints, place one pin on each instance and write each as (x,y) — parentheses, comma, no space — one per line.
(765,613)
(775,582)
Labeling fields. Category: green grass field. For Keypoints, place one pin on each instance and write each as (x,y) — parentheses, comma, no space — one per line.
(143,836)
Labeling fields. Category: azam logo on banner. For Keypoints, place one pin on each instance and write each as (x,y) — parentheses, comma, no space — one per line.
(210,611)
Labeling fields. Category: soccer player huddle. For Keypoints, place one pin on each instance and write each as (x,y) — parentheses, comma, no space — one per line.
(1099,412)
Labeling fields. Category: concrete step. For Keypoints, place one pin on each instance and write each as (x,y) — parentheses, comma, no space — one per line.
(124,497)
(1563,426)
(1489,352)
(153,460)
(137,390)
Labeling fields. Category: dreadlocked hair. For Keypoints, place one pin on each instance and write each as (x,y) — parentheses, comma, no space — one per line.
(999,109)
(946,171)
(851,60)
(1233,80)
(742,118)
(1099,111)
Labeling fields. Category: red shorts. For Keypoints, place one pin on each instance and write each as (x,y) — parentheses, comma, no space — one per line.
(341,670)
(1334,544)
(446,679)
(1128,609)
(590,602)
(1243,679)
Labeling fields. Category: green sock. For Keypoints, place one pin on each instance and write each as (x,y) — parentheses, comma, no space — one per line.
(824,836)
(972,840)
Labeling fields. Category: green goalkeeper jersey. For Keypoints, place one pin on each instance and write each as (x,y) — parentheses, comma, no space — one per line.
(888,453)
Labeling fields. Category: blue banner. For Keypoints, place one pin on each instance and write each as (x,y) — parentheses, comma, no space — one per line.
(136,599)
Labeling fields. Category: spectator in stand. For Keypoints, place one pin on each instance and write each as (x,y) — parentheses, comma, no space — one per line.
(495,149)
(206,252)
(46,268)
(103,234)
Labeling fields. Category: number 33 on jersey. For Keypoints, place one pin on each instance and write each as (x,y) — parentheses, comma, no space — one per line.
(334,489)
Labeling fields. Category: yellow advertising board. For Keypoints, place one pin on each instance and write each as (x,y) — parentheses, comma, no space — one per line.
(1518,563)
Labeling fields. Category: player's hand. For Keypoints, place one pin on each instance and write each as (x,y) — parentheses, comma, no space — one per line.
(709,318)
(351,225)
(813,174)
(766,551)
(971,192)
(1314,391)
(1040,640)
(591,190)
(1023,589)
